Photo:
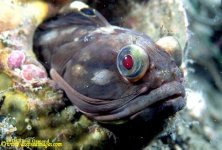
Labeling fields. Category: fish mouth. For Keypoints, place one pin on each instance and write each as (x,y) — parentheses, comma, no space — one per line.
(169,95)
(161,109)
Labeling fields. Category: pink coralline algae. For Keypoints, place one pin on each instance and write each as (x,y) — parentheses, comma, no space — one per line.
(32,72)
(16,59)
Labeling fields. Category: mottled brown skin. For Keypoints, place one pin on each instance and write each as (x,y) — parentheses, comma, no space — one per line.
(79,46)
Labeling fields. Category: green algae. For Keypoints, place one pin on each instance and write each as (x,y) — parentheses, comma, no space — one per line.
(16,105)
(93,140)
(6,81)
(34,113)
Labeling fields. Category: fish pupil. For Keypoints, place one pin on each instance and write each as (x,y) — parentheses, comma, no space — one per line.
(87,11)
(127,62)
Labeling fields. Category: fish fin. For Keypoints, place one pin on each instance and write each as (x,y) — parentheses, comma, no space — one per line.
(76,15)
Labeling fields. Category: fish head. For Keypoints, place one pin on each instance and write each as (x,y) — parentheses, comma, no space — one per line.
(110,73)
(125,74)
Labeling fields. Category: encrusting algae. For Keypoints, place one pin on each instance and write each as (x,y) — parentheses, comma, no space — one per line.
(29,107)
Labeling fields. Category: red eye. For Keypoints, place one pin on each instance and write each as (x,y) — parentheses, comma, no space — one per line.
(127,62)
(132,62)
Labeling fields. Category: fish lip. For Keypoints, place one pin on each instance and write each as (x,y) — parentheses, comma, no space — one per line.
(161,110)
(170,92)
(174,102)
(178,94)
(173,90)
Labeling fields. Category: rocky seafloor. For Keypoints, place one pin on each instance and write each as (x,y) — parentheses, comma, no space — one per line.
(31,109)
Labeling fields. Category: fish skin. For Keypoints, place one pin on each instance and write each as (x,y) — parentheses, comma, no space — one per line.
(79,50)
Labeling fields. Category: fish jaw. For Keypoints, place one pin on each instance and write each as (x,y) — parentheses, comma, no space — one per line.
(168,96)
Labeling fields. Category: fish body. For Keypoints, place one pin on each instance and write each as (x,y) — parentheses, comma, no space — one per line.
(110,73)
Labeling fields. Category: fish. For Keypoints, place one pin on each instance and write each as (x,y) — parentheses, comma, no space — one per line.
(109,73)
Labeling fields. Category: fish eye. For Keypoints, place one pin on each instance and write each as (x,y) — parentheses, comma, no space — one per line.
(132,62)
(88,12)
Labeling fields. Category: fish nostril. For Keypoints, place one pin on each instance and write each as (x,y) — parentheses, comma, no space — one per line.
(177,73)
